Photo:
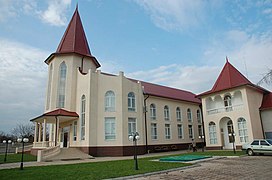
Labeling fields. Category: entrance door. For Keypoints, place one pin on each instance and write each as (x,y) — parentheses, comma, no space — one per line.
(65,139)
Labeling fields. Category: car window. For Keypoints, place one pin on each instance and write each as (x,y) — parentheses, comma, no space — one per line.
(270,141)
(256,142)
(264,143)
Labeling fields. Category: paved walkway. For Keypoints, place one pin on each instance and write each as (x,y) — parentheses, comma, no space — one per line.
(245,167)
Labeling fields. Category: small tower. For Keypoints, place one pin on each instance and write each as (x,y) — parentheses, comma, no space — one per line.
(72,55)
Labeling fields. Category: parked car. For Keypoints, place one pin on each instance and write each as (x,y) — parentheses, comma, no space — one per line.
(260,146)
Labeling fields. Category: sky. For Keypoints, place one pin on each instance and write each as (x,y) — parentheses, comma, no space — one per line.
(177,43)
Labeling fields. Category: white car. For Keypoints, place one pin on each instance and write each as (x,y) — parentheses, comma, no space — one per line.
(260,146)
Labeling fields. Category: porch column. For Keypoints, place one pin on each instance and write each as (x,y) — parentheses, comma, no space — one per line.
(56,130)
(35,133)
(44,130)
(40,132)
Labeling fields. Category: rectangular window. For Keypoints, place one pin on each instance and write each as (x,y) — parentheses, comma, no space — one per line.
(131,126)
(75,131)
(154,134)
(110,128)
(200,130)
(180,131)
(167,131)
(191,134)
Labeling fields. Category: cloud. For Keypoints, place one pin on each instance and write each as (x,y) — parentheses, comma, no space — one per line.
(55,13)
(250,54)
(23,77)
(12,8)
(174,14)
(196,79)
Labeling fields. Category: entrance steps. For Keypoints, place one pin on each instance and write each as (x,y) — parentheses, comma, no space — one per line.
(69,154)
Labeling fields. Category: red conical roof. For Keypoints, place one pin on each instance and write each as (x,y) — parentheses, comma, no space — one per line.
(229,77)
(74,40)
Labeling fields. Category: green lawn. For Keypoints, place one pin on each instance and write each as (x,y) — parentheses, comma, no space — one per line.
(99,170)
(17,158)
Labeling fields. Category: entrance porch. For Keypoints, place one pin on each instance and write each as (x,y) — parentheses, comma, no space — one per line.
(56,137)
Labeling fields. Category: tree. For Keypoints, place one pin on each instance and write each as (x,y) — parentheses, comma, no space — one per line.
(23,130)
(267,78)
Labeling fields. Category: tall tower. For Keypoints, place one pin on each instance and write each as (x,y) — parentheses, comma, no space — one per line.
(73,54)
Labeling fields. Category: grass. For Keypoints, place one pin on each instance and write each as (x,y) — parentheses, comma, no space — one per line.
(100,170)
(11,158)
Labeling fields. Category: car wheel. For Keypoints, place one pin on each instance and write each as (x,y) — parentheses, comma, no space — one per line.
(250,152)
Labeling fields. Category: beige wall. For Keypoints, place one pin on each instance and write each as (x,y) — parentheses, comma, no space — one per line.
(160,121)
(249,110)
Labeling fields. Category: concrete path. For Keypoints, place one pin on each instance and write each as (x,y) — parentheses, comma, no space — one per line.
(242,168)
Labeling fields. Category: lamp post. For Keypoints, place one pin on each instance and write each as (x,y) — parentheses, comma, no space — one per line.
(134,137)
(202,138)
(6,152)
(23,141)
(232,134)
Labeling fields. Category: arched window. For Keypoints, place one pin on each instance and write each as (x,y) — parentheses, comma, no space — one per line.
(242,128)
(227,103)
(152,111)
(61,85)
(178,113)
(198,116)
(83,117)
(212,133)
(166,113)
(131,101)
(189,115)
(110,101)
(49,86)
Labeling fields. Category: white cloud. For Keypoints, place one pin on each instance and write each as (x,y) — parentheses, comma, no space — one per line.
(174,14)
(23,81)
(196,79)
(55,13)
(250,54)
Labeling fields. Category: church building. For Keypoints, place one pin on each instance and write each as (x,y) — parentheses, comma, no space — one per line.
(96,112)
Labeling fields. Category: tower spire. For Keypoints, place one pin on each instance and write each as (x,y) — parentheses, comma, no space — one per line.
(74,39)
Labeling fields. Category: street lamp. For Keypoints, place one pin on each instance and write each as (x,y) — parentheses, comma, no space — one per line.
(134,137)
(6,152)
(202,138)
(23,141)
(232,134)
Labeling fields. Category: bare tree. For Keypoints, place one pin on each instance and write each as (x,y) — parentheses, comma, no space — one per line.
(23,130)
(267,78)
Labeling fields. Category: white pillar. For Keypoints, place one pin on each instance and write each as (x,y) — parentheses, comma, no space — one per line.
(35,133)
(44,130)
(40,132)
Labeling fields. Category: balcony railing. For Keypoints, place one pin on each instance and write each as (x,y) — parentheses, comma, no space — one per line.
(224,109)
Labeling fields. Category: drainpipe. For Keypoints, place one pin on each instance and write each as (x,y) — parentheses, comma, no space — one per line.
(81,67)
(145,111)
(203,129)
(262,123)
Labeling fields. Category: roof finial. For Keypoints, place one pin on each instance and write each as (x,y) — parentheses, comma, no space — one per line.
(227,60)
(76,6)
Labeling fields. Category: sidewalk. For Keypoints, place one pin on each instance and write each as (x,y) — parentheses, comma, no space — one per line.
(96,159)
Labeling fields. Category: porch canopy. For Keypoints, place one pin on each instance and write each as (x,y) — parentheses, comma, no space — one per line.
(52,117)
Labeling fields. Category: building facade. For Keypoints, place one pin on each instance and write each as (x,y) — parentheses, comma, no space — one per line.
(235,111)
(96,111)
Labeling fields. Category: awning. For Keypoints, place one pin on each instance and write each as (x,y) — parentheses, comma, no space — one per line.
(63,115)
